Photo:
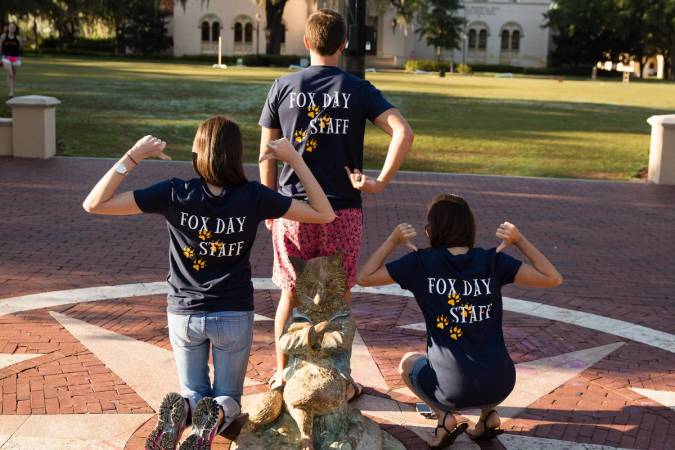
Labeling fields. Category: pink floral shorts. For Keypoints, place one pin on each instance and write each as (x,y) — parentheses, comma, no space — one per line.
(311,240)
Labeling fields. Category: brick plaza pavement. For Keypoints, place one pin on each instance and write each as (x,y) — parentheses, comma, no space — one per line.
(613,242)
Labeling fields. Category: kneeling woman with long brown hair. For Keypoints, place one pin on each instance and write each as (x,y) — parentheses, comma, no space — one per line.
(458,288)
(212,222)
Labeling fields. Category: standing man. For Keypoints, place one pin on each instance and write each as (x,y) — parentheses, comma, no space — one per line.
(322,110)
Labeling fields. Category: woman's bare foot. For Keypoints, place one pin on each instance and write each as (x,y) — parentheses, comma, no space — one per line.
(488,419)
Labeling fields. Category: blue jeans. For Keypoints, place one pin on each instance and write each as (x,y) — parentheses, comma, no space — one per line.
(229,335)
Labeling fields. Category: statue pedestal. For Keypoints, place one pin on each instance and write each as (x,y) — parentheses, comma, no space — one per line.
(277,437)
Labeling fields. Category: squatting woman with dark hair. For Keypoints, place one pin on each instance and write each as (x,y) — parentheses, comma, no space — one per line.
(212,222)
(458,288)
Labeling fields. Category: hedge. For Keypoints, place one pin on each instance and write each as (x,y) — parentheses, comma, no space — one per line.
(79,46)
(429,65)
(253,60)
(413,65)
(106,47)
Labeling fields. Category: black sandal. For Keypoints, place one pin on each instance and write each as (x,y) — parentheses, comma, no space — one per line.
(488,433)
(452,435)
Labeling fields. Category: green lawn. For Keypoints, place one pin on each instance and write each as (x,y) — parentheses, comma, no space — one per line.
(474,124)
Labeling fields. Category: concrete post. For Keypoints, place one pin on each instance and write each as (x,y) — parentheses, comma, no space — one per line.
(662,150)
(34,126)
(5,137)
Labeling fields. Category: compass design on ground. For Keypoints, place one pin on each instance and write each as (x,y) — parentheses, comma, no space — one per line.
(86,368)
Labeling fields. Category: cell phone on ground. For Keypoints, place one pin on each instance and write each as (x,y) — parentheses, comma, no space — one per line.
(425,411)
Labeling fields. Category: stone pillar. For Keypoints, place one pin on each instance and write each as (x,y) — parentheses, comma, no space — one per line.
(662,150)
(34,126)
(5,137)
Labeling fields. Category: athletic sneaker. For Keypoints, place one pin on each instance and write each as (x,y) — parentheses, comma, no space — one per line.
(206,420)
(171,420)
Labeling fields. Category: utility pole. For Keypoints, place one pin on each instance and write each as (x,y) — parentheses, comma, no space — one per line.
(355,54)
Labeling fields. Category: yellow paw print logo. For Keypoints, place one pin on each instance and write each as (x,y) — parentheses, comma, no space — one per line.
(199,264)
(189,252)
(216,245)
(453,299)
(466,310)
(300,135)
(311,145)
(324,121)
(456,333)
(204,234)
(313,111)
(442,322)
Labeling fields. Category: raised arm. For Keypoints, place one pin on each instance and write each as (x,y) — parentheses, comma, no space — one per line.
(391,122)
(373,272)
(318,208)
(103,198)
(540,272)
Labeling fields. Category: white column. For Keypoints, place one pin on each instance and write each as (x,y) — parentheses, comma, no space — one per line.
(34,126)
(662,150)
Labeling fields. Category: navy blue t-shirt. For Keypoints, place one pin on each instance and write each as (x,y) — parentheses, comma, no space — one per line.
(322,110)
(460,298)
(210,240)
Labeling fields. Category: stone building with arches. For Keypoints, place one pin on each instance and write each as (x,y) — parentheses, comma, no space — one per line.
(197,26)
(509,32)
(505,32)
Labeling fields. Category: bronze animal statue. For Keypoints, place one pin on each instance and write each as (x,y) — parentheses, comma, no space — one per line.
(312,412)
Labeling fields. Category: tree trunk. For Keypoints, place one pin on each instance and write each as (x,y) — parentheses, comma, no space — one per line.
(35,33)
(119,38)
(274,11)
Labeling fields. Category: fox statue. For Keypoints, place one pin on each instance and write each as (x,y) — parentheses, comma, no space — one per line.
(312,411)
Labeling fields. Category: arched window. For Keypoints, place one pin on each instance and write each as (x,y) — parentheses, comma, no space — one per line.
(515,40)
(472,38)
(215,31)
(243,27)
(505,39)
(248,32)
(482,39)
(238,32)
(283,34)
(206,28)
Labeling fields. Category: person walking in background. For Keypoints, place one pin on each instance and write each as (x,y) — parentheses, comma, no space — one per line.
(212,222)
(323,111)
(458,289)
(11,45)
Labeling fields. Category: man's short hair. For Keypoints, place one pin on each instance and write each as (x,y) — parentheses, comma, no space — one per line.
(326,31)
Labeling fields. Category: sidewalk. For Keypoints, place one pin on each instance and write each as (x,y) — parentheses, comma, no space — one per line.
(605,381)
